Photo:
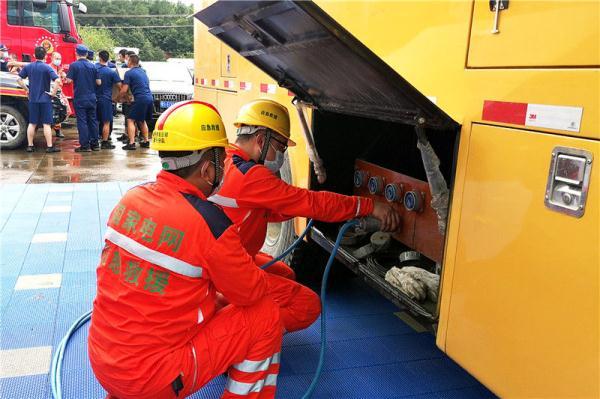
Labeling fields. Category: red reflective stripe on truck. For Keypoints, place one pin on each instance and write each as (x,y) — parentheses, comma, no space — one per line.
(504,112)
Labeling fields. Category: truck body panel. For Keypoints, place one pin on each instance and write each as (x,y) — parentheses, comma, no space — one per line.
(519,297)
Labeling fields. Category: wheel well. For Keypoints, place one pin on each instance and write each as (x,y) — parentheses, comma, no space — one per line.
(17,102)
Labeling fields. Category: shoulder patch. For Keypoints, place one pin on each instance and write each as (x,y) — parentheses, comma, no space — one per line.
(243,165)
(214,216)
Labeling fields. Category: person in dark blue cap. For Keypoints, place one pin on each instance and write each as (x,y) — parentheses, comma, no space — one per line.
(141,108)
(40,76)
(3,58)
(85,78)
(90,55)
(109,78)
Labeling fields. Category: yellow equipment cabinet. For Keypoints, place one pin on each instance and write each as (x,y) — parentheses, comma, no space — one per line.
(566,30)
(515,125)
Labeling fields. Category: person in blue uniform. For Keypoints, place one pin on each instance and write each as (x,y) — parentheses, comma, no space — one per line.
(40,77)
(84,76)
(90,55)
(3,58)
(141,108)
(109,78)
(122,60)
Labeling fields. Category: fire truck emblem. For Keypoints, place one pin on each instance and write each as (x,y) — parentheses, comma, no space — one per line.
(46,43)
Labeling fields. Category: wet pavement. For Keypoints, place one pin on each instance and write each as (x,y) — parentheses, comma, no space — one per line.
(69,166)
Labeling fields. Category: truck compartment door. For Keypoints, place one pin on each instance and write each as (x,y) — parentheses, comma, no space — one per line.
(308,52)
(535,34)
(524,296)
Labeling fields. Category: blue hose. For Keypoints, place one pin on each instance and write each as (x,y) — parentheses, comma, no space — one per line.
(57,359)
(315,380)
(291,247)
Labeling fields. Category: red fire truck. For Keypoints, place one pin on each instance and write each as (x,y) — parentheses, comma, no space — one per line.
(25,24)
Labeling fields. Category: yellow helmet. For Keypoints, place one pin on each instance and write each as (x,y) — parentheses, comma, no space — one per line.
(189,126)
(267,113)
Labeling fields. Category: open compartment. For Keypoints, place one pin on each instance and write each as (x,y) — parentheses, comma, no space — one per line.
(366,118)
(350,144)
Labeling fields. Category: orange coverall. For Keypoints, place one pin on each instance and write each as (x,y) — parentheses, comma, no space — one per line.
(155,331)
(252,196)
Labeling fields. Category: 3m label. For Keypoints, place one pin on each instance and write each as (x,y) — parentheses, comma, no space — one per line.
(537,115)
(554,117)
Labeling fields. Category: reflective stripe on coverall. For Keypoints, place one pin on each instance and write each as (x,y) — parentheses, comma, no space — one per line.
(252,196)
(168,251)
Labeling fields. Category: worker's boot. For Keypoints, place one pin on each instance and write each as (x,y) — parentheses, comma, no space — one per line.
(106,145)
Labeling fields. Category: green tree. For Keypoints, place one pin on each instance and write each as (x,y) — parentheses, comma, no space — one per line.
(97,39)
(155,43)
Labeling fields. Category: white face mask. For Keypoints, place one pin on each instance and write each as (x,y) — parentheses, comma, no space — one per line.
(57,62)
(275,165)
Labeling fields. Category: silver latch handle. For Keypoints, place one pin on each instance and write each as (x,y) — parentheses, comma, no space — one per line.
(496,15)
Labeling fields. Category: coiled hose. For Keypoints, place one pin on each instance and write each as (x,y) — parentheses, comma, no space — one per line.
(57,359)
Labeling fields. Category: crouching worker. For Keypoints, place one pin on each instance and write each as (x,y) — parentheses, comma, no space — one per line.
(155,332)
(253,195)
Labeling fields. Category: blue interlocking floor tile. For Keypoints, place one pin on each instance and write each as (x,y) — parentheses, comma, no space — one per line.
(7,284)
(61,187)
(81,384)
(371,353)
(82,260)
(44,258)
(29,387)
(12,257)
(59,198)
(19,228)
(26,335)
(84,240)
(475,392)
(66,315)
(364,352)
(344,328)
(76,356)
(85,294)
(80,279)
(52,222)
(84,187)
(31,306)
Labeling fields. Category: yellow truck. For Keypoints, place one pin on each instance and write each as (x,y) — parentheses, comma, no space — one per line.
(479,120)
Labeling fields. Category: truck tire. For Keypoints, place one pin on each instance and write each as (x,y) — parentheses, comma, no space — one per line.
(13,127)
(280,235)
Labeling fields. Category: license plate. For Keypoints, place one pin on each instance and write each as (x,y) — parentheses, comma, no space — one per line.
(166,104)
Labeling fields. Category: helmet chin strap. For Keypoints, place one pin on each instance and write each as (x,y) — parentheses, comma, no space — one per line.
(265,148)
(218,173)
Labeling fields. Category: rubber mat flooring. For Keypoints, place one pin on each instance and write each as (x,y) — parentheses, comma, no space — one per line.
(49,249)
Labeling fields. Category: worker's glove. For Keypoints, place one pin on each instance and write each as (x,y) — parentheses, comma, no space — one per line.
(415,282)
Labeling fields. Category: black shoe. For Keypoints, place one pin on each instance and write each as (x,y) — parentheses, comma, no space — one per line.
(83,149)
(145,144)
(30,148)
(129,146)
(95,147)
(59,134)
(123,138)
(106,145)
(52,149)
